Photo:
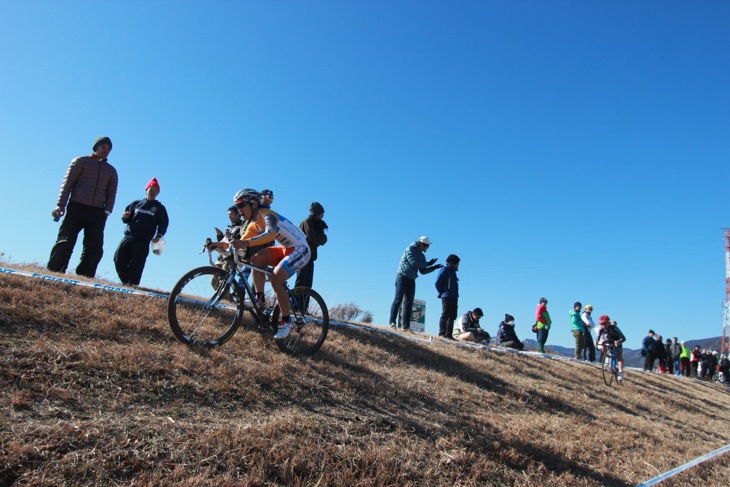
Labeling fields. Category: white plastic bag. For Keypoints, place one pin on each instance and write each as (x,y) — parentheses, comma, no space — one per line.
(159,246)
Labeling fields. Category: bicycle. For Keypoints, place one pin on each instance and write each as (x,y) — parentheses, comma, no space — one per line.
(610,365)
(208,305)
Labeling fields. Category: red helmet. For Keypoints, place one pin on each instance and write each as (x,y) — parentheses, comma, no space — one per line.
(603,319)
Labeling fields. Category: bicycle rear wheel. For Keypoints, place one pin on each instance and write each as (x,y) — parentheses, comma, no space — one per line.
(204,307)
(311,319)
(606,369)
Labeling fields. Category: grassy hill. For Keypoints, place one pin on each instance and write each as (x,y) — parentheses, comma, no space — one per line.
(96,391)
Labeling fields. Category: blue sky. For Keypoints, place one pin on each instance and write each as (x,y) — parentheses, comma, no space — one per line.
(575,150)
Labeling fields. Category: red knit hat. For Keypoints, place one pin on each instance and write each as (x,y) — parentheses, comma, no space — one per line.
(153,182)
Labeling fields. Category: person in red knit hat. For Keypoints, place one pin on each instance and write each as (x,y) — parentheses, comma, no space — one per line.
(147,221)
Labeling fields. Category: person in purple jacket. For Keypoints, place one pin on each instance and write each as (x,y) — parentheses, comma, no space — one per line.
(447,285)
(86,199)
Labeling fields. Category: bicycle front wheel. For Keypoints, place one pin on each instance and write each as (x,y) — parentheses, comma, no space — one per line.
(204,307)
(606,369)
(311,322)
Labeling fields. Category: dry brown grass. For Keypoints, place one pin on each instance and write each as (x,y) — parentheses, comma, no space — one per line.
(96,391)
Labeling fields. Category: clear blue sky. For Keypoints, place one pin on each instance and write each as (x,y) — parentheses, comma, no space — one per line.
(576,150)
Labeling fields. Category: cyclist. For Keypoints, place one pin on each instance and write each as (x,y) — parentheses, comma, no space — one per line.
(610,334)
(266,226)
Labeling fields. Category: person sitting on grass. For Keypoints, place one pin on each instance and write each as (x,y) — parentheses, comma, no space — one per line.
(470,329)
(506,336)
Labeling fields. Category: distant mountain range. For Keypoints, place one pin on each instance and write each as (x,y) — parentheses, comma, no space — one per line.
(632,358)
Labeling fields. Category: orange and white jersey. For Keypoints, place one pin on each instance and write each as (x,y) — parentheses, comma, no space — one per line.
(269,226)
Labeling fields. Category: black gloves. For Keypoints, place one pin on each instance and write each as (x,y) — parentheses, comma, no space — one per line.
(432,261)
(433,268)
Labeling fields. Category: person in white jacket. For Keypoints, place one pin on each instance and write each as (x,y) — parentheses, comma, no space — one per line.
(589,350)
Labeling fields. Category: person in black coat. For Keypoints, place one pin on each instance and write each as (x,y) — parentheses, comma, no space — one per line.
(506,335)
(314,228)
(648,351)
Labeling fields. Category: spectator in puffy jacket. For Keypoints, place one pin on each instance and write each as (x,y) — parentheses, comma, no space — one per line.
(577,328)
(471,331)
(506,335)
(542,323)
(86,198)
(411,263)
(447,286)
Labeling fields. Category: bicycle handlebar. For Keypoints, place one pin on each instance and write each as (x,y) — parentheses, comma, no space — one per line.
(233,254)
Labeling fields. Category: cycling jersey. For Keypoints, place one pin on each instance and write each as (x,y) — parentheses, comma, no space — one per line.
(269,226)
(611,334)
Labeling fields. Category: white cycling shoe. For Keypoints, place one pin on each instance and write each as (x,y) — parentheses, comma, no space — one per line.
(283,330)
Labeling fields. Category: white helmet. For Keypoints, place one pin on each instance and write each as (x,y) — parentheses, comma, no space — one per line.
(424,240)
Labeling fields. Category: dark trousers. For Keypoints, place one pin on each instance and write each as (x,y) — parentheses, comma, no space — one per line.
(649,361)
(405,288)
(449,307)
(589,349)
(92,221)
(542,336)
(130,258)
(305,276)
(516,344)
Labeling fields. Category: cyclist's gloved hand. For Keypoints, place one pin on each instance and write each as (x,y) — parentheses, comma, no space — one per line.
(432,261)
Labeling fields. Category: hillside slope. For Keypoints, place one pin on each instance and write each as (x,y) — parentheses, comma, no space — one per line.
(97,392)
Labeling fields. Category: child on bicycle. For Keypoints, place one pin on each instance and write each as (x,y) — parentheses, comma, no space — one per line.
(266,226)
(609,334)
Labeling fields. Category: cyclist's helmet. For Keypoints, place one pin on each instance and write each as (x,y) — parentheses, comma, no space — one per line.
(246,196)
(604,319)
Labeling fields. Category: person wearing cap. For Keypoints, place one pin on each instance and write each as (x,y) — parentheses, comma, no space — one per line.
(411,263)
(146,221)
(648,351)
(267,198)
(589,350)
(506,335)
(315,228)
(447,286)
(577,328)
(471,331)
(542,324)
(86,199)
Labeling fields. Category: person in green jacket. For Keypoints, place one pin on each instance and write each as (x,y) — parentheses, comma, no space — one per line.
(578,328)
(543,322)
(684,361)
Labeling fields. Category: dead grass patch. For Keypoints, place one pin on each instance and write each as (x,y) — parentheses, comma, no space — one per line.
(97,391)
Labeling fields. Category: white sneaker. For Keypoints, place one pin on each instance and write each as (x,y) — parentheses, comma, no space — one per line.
(284,330)
(620,376)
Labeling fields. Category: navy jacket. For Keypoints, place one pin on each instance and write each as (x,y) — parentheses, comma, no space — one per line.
(447,284)
(149,220)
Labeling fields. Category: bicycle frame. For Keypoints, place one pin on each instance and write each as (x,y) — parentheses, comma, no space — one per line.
(208,304)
